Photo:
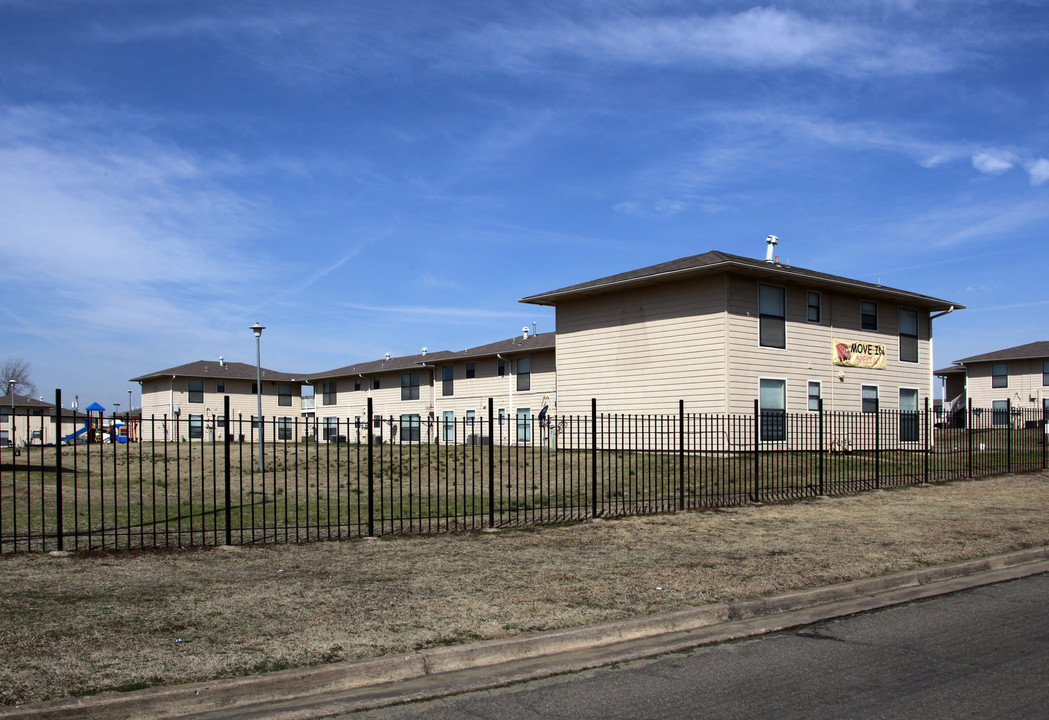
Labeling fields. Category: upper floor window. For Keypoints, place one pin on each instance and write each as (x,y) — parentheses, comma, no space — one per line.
(447,380)
(284,394)
(502,367)
(524,373)
(869,315)
(1045,373)
(357,385)
(772,316)
(471,370)
(330,393)
(196,391)
(220,386)
(908,335)
(813,307)
(375,383)
(410,386)
(1000,375)
(255,388)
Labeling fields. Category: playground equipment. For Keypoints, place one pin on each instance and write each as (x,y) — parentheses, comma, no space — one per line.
(97,429)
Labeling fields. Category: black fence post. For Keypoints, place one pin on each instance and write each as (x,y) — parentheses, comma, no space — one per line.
(681,452)
(491,463)
(1008,435)
(877,443)
(225,470)
(928,434)
(969,433)
(757,449)
(593,456)
(58,469)
(371,474)
(1045,429)
(819,406)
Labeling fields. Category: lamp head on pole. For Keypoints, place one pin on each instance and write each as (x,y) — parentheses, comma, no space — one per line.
(257,329)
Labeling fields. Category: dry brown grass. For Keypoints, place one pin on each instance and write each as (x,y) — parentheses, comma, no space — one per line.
(82,624)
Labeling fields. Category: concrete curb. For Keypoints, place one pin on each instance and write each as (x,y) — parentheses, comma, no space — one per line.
(290,693)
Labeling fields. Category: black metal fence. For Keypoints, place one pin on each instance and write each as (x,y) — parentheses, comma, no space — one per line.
(402,475)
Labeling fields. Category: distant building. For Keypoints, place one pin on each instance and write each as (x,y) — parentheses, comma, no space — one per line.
(1013,378)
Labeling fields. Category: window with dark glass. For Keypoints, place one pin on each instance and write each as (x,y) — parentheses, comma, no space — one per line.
(254,388)
(196,427)
(502,367)
(196,391)
(908,335)
(357,385)
(220,386)
(375,383)
(329,393)
(1000,412)
(471,370)
(330,429)
(869,399)
(1045,373)
(1000,375)
(410,428)
(447,380)
(410,386)
(284,428)
(772,312)
(284,394)
(772,403)
(524,373)
(869,315)
(813,309)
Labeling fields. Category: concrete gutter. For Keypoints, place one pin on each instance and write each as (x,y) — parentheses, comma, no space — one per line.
(348,686)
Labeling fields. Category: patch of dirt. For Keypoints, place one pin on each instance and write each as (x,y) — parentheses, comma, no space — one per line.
(82,624)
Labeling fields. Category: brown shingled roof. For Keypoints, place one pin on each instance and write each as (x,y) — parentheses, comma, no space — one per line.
(714,261)
(227,371)
(1033,350)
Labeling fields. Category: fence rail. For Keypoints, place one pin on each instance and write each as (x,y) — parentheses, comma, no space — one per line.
(403,475)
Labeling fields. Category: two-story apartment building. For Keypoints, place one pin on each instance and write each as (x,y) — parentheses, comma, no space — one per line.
(719,330)
(439,395)
(1013,378)
(194,393)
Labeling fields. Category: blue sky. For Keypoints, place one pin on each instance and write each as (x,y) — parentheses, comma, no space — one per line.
(366,177)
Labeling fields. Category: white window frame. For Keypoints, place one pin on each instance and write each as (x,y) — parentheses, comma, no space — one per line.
(877,315)
(808,394)
(783,318)
(916,411)
(916,336)
(877,399)
(819,306)
(761,424)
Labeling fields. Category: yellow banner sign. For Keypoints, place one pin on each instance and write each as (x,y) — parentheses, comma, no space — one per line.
(859,354)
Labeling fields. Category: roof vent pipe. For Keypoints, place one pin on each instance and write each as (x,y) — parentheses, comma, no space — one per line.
(424,351)
(772,241)
(222,361)
(524,332)
(534,331)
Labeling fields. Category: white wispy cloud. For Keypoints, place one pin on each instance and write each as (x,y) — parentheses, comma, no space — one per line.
(994,162)
(1039,171)
(760,37)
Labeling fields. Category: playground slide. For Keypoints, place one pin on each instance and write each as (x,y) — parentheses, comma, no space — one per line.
(77,434)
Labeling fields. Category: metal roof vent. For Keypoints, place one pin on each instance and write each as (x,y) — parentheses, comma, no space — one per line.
(524,333)
(772,241)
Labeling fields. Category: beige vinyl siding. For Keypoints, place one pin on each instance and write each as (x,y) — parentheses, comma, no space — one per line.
(1025,384)
(473,393)
(159,397)
(809,352)
(642,350)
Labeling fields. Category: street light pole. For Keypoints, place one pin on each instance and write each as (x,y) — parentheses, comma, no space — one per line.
(257,329)
(11,392)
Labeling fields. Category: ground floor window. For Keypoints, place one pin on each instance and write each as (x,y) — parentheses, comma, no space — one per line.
(196,427)
(448,426)
(4,440)
(524,425)
(410,428)
(330,429)
(772,403)
(869,399)
(909,426)
(1000,412)
(284,428)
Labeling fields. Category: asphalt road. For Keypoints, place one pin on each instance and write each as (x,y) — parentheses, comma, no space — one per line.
(979,653)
